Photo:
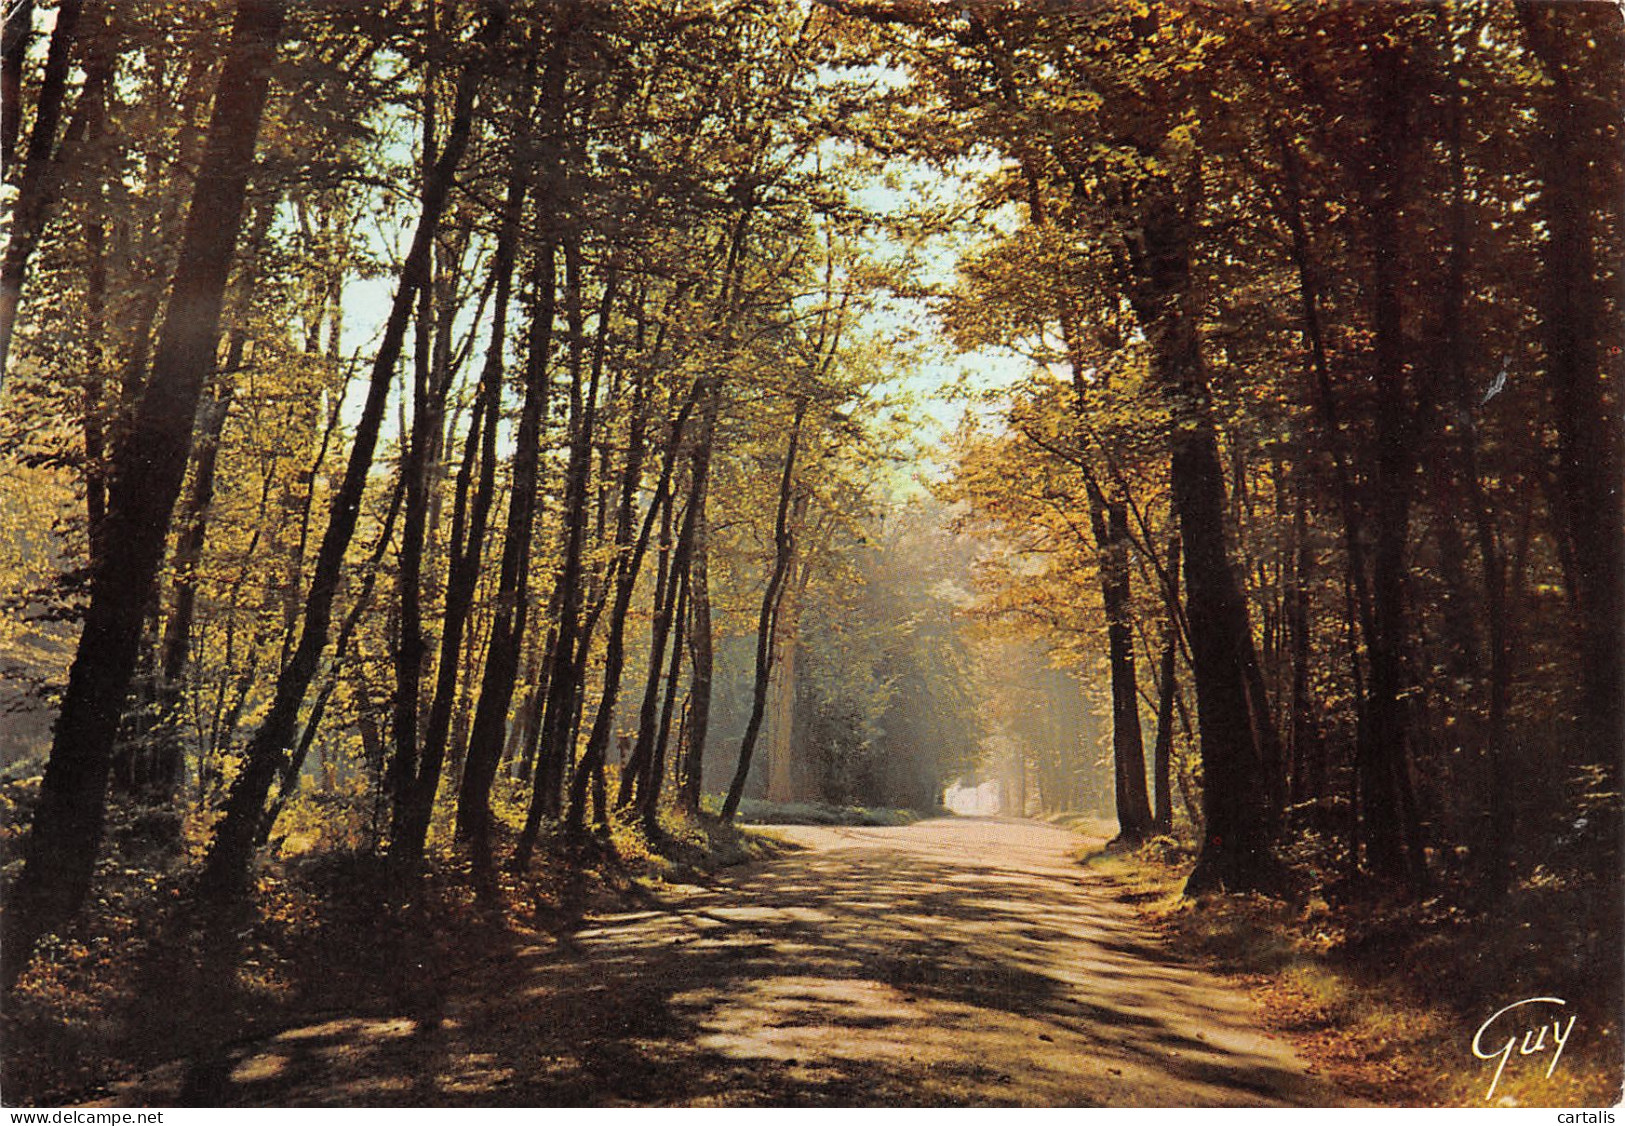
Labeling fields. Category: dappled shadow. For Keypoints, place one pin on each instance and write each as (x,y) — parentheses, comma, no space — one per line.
(947,963)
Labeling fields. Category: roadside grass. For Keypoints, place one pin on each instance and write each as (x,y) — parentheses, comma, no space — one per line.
(1083,824)
(1384,998)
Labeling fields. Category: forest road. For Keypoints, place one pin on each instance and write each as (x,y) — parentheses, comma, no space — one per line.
(956,961)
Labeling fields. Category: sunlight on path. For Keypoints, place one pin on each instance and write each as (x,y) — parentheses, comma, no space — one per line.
(950,962)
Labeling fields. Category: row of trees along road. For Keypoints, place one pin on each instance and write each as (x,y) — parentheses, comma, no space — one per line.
(1324,309)
(1320,452)
(603,261)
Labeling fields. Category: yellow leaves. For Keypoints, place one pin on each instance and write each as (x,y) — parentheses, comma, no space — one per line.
(1181,139)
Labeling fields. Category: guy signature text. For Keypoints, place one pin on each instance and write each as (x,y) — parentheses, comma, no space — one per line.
(1533,1023)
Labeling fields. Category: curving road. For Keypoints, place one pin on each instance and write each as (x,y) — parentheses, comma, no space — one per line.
(951,962)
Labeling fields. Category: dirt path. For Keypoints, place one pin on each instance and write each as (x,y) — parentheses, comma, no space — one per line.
(951,962)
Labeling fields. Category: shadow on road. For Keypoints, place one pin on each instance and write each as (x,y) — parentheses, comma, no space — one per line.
(947,963)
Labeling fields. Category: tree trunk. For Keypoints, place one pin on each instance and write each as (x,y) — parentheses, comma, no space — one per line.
(146,479)
(420,460)
(783,547)
(1493,840)
(1162,753)
(634,772)
(556,740)
(513,583)
(1308,753)
(467,547)
(18,29)
(1110,524)
(1387,831)
(1579,197)
(781,785)
(700,649)
(625,581)
(226,866)
(511,614)
(649,797)
(1357,595)
(1237,850)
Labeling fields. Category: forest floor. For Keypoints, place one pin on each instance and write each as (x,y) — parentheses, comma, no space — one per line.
(954,961)
(1384,998)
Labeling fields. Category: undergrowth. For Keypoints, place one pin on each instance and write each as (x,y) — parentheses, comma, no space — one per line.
(1384,995)
(142,978)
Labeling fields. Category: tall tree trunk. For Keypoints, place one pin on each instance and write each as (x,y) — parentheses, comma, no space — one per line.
(468,542)
(1239,830)
(1110,525)
(1357,591)
(511,613)
(90,127)
(637,775)
(421,460)
(701,642)
(422,768)
(649,795)
(1493,840)
(557,737)
(783,548)
(1580,47)
(625,579)
(513,582)
(1163,752)
(781,699)
(227,864)
(146,479)
(700,650)
(18,30)
(1308,753)
(1387,831)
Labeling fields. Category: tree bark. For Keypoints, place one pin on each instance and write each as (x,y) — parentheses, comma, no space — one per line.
(513,583)
(420,459)
(1110,525)
(557,728)
(146,479)
(781,700)
(1237,850)
(1493,839)
(468,544)
(1579,46)
(783,547)
(624,579)
(700,649)
(649,796)
(18,29)
(642,771)
(1387,830)
(1307,749)
(1162,820)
